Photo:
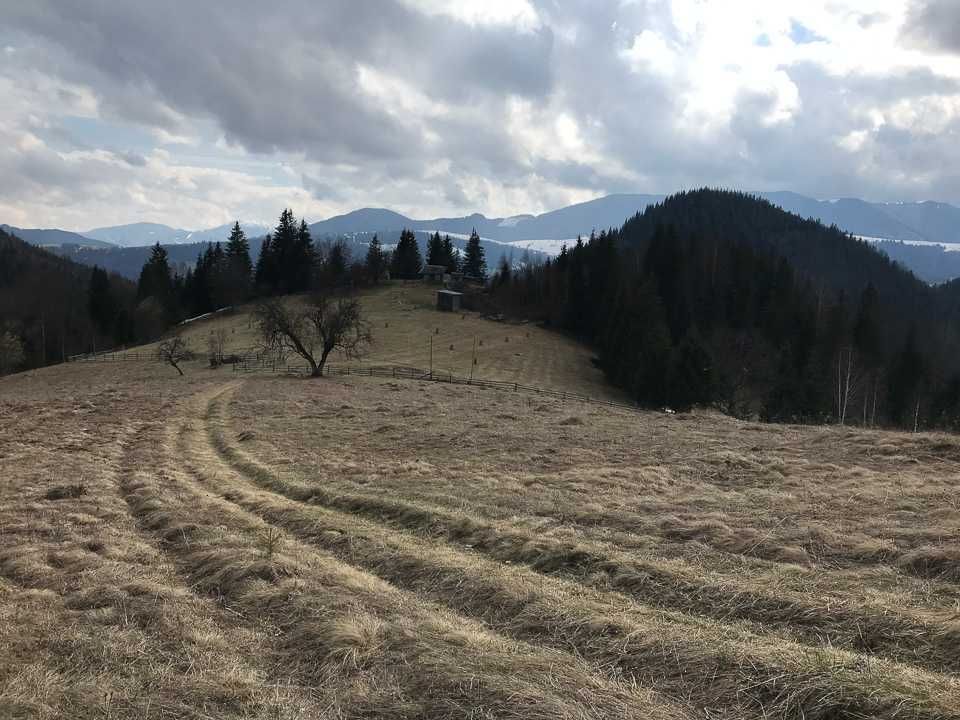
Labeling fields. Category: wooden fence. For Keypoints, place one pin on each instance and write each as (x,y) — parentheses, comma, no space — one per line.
(253,361)
(402,372)
(113,356)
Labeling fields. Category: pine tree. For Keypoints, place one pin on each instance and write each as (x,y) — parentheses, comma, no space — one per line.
(303,260)
(504,271)
(289,262)
(101,302)
(407,261)
(451,255)
(335,267)
(239,268)
(266,276)
(155,279)
(284,251)
(376,262)
(692,381)
(907,378)
(435,251)
(474,263)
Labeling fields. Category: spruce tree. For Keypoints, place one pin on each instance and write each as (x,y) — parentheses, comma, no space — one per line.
(474,263)
(451,256)
(289,262)
(376,262)
(284,252)
(239,267)
(407,261)
(101,302)
(335,267)
(155,278)
(303,260)
(266,276)
(435,253)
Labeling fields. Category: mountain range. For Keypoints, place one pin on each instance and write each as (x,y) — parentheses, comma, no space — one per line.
(905,227)
(53,238)
(140,234)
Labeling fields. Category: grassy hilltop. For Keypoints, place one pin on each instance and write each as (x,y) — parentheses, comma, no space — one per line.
(403,320)
(239,546)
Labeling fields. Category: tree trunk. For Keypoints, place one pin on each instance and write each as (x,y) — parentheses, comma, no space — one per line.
(916,416)
(177,368)
(318,368)
(846,390)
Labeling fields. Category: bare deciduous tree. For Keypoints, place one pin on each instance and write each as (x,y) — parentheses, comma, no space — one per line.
(322,325)
(173,351)
(216,343)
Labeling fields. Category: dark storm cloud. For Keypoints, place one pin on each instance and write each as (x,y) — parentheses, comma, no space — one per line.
(291,77)
(934,24)
(283,76)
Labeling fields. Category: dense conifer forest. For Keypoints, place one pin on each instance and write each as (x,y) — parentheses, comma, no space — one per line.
(51,307)
(720,299)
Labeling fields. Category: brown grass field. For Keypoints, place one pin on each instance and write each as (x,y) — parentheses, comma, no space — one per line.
(254,546)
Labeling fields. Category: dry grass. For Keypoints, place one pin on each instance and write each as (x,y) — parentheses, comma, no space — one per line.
(404,322)
(240,547)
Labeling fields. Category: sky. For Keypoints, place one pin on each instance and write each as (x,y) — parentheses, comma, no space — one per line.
(194,114)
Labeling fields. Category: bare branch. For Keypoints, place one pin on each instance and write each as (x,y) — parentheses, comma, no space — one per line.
(323,325)
(173,351)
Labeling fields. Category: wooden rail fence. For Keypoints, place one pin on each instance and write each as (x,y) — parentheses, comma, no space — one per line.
(402,372)
(253,361)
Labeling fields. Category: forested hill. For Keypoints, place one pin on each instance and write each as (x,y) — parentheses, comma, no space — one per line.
(825,255)
(719,298)
(51,307)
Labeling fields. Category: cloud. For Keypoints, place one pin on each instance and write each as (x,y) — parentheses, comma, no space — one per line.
(934,24)
(193,113)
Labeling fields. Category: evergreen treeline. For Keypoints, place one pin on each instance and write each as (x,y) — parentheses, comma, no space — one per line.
(224,275)
(717,298)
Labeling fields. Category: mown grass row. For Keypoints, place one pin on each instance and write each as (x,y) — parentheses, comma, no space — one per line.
(371,650)
(933,647)
(711,664)
(658,520)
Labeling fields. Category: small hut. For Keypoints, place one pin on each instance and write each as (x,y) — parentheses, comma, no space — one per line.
(453,281)
(448,300)
(433,273)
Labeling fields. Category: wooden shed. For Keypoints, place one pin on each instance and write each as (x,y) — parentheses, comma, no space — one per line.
(433,273)
(448,300)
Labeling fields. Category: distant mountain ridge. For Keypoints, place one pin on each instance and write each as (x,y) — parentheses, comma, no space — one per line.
(142,234)
(52,237)
(909,225)
(908,222)
(565,223)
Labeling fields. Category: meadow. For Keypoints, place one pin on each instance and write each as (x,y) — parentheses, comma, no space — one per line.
(229,545)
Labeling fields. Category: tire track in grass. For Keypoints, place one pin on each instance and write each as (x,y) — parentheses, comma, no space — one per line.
(929,646)
(345,628)
(727,665)
(236,685)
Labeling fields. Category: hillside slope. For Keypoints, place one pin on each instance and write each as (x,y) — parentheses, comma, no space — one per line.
(721,298)
(408,330)
(45,301)
(217,546)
